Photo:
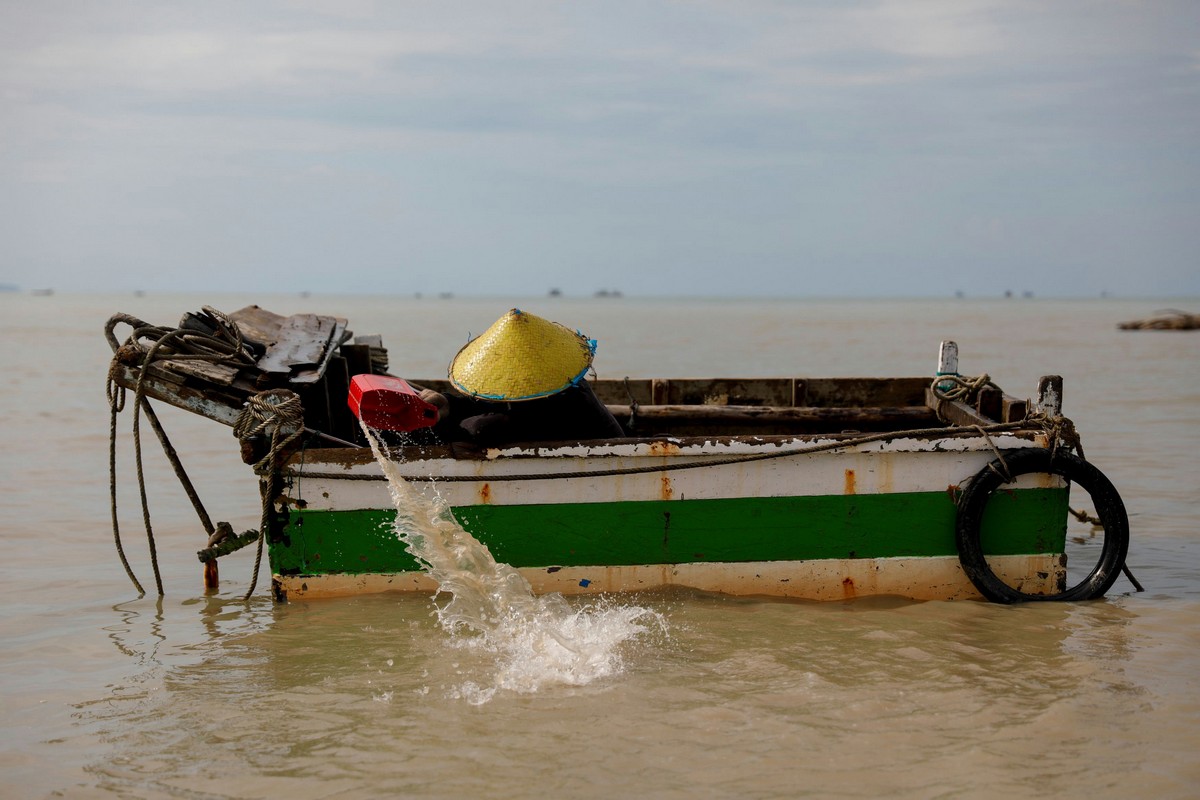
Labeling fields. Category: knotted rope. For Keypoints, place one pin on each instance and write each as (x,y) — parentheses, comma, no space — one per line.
(278,415)
(276,412)
(1062,432)
(960,387)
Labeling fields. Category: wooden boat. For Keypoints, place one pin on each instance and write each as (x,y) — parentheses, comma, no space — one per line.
(926,487)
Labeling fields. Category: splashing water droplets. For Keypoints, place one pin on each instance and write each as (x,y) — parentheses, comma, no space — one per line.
(536,640)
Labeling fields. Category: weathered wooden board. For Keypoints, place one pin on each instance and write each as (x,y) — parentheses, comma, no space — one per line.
(258,324)
(302,349)
(222,406)
(992,406)
(207,371)
(955,412)
(377,352)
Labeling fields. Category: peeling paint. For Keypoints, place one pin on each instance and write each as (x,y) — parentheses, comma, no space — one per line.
(664,448)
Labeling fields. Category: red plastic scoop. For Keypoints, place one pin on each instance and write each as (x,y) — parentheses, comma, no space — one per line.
(389,404)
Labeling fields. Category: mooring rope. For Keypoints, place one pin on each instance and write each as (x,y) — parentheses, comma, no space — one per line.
(1006,475)
(116,404)
(146,345)
(279,414)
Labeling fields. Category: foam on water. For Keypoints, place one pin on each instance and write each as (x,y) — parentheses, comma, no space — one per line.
(536,640)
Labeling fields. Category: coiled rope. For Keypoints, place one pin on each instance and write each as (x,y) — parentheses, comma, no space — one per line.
(952,387)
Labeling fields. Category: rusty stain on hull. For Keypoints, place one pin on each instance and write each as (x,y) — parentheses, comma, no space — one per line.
(668,491)
(851,482)
(485,494)
(660,448)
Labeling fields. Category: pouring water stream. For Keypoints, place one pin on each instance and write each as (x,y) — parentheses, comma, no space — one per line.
(537,640)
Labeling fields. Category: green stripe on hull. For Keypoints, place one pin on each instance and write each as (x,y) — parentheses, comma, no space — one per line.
(683,531)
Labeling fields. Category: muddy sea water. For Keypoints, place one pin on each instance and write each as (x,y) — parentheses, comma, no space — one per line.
(107,694)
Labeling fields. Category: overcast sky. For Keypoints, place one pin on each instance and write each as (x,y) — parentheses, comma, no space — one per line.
(656,148)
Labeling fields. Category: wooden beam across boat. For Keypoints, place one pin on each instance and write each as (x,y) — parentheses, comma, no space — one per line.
(991,406)
(217,403)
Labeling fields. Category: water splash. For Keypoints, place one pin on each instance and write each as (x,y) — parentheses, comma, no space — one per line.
(536,640)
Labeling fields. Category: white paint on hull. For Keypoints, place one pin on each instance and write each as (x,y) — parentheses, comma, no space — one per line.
(879,470)
(929,578)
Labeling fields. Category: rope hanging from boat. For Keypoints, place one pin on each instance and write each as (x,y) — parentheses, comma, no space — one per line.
(145,345)
(116,404)
(277,414)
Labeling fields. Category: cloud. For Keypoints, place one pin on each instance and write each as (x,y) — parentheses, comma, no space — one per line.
(656,140)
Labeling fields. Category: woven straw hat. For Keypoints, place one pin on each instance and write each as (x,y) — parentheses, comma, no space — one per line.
(521,357)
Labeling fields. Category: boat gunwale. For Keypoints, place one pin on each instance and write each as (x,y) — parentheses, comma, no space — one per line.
(668,449)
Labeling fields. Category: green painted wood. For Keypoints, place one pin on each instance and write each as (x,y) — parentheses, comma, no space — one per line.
(683,531)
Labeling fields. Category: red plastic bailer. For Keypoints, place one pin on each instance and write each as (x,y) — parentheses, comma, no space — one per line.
(389,404)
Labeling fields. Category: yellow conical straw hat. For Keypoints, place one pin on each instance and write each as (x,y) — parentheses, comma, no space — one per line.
(521,357)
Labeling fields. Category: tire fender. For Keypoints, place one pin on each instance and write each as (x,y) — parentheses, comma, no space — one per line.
(1109,508)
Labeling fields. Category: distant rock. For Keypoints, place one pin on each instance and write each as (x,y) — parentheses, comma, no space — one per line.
(1166,321)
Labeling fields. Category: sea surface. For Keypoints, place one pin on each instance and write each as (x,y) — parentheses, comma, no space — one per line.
(107,694)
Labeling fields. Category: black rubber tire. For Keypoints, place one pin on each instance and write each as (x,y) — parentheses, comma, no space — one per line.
(1109,509)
